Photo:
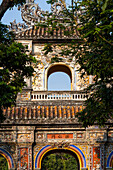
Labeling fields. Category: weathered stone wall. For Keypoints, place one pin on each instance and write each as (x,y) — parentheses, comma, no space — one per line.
(39,80)
(24,143)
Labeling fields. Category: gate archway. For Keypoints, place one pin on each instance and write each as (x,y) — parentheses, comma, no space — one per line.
(71,148)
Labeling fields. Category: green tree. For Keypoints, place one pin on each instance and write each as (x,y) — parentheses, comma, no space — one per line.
(93,19)
(15,65)
(95,56)
(59,161)
(3,163)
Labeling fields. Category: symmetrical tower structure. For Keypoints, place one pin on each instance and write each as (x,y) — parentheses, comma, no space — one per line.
(44,122)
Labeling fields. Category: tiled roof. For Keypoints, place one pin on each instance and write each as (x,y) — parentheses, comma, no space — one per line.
(42,33)
(41,114)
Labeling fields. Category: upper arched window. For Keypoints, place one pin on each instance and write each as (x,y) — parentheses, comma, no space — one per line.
(59,77)
(59,81)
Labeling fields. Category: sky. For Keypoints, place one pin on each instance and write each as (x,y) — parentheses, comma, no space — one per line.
(57,81)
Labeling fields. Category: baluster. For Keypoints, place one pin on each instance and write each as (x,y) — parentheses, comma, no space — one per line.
(58,96)
(61,96)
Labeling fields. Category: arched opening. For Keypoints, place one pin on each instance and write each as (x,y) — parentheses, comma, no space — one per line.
(59,77)
(60,159)
(59,81)
(72,149)
(3,163)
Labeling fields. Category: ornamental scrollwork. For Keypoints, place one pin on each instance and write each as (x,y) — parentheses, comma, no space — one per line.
(60,145)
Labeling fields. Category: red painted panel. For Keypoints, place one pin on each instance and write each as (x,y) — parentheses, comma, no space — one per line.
(60,136)
(24,158)
(96,157)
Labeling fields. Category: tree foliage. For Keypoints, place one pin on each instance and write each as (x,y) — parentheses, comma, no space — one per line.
(15,65)
(93,19)
(95,56)
(3,163)
(59,161)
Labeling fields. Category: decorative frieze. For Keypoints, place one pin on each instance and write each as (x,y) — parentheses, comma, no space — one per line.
(7,137)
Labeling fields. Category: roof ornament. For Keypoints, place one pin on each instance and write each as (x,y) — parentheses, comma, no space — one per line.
(31,14)
(57,8)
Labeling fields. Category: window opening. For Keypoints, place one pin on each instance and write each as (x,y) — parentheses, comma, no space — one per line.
(59,81)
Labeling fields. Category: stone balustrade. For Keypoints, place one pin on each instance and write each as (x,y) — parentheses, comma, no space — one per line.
(58,95)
